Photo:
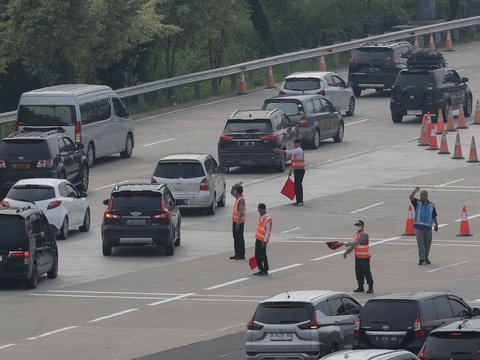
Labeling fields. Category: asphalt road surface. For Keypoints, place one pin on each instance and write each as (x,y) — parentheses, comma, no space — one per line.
(195,305)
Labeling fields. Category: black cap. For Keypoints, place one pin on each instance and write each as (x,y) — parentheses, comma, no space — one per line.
(262,206)
(359,222)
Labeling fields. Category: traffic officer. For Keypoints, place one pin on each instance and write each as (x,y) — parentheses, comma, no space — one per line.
(239,216)
(298,168)
(362,258)
(262,237)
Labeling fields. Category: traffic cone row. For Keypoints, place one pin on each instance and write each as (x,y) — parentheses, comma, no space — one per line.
(431,44)
(415,43)
(423,140)
(450,120)
(243,84)
(461,124)
(464,226)
(440,125)
(409,230)
(432,145)
(476,121)
(323,64)
(443,145)
(270,80)
(448,44)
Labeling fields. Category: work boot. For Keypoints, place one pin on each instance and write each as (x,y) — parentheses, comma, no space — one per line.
(359,290)
(370,290)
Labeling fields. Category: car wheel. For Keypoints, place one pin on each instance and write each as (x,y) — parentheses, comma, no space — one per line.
(32,281)
(170,248)
(341,131)
(467,107)
(397,118)
(107,250)
(84,179)
(357,91)
(223,200)
(283,164)
(316,139)
(64,229)
(445,107)
(351,107)
(128,147)
(86,221)
(52,274)
(90,155)
(334,348)
(177,241)
(211,209)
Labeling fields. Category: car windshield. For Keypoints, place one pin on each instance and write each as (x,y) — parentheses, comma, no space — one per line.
(368,55)
(290,108)
(136,200)
(283,313)
(249,126)
(31,193)
(46,115)
(29,149)
(421,78)
(302,84)
(398,312)
(179,170)
(13,231)
(453,345)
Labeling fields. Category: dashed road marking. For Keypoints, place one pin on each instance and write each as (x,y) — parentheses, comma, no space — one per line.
(225,284)
(451,182)
(284,268)
(112,315)
(158,142)
(469,217)
(52,332)
(448,266)
(287,231)
(367,207)
(171,299)
(6,346)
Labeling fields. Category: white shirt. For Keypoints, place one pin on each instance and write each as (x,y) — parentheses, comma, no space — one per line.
(298,152)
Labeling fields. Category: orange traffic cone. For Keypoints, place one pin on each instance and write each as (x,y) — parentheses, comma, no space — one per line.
(477,113)
(473,158)
(423,133)
(429,118)
(457,152)
(461,124)
(443,145)
(323,65)
(243,84)
(450,120)
(448,44)
(270,79)
(464,226)
(415,43)
(440,125)
(431,44)
(433,140)
(409,230)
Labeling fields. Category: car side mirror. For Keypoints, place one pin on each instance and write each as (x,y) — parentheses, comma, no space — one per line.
(336,108)
(80,146)
(223,169)
(83,194)
(349,84)
(106,202)
(464,79)
(476,311)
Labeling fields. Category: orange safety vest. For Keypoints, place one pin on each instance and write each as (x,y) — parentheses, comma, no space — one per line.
(361,251)
(236,213)
(262,222)
(298,163)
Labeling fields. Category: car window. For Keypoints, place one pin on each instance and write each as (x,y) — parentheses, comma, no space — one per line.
(324,308)
(338,82)
(317,105)
(215,165)
(400,312)
(46,115)
(179,170)
(38,229)
(428,310)
(326,105)
(69,144)
(367,55)
(248,126)
(309,106)
(95,111)
(31,192)
(351,307)
(136,200)
(443,345)
(285,122)
(276,122)
(421,79)
(209,166)
(289,108)
(118,108)
(444,310)
(336,306)
(31,149)
(71,191)
(330,80)
(169,198)
(302,84)
(13,232)
(455,77)
(62,189)
(459,309)
(61,145)
(283,313)
(448,76)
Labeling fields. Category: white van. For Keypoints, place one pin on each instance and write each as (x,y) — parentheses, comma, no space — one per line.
(90,114)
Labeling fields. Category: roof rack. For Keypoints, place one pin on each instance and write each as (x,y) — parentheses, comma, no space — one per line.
(117,186)
(33,132)
(425,59)
(391,43)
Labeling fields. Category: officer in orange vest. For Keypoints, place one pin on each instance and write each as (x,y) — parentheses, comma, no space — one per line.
(239,216)
(262,236)
(298,168)
(362,258)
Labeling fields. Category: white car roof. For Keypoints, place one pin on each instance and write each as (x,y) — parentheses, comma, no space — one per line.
(369,354)
(301,296)
(40,181)
(314,74)
(184,157)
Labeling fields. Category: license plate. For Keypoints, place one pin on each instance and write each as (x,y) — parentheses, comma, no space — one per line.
(281,337)
(181,202)
(21,166)
(136,222)
(373,69)
(246,143)
(386,339)
(414,112)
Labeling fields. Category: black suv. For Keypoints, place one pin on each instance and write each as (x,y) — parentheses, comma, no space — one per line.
(376,65)
(403,320)
(250,136)
(428,85)
(141,214)
(35,154)
(28,248)
(458,340)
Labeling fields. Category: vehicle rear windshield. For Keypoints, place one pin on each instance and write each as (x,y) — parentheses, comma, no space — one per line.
(454,345)
(283,313)
(302,84)
(368,55)
(13,232)
(179,170)
(29,149)
(46,115)
(398,312)
(290,108)
(421,79)
(31,193)
(136,200)
(248,126)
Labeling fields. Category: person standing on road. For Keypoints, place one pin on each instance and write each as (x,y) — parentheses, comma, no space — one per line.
(425,216)
(239,216)
(362,258)
(262,237)
(298,168)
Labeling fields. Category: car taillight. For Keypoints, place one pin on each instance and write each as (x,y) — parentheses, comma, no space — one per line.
(45,163)
(422,355)
(226,138)
(312,324)
(78,132)
(356,328)
(54,204)
(321,92)
(252,325)
(107,215)
(281,92)
(390,61)
(153,181)
(303,122)
(268,137)
(164,212)
(2,164)
(417,330)
(5,204)
(204,184)
(25,255)
(251,353)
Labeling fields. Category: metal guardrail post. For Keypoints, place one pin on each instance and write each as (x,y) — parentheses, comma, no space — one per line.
(286,69)
(233,82)
(178,94)
(196,89)
(215,83)
(141,101)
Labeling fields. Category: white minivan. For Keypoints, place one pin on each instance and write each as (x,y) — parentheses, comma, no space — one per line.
(89,114)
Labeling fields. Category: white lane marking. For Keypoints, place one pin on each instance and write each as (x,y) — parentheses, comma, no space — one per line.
(451,182)
(112,315)
(442,225)
(101,296)
(52,332)
(158,142)
(230,354)
(171,299)
(433,189)
(111,292)
(330,238)
(368,207)
(469,217)
(448,266)
(284,268)
(287,231)
(110,185)
(6,346)
(356,122)
(433,186)
(225,284)
(231,327)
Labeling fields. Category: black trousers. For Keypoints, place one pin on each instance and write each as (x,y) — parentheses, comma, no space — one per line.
(261,256)
(238,240)
(362,272)
(298,175)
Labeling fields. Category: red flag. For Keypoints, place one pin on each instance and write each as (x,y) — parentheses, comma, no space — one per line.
(289,189)
(252,262)
(334,245)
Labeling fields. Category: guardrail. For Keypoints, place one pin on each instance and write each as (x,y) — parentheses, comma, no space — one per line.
(233,70)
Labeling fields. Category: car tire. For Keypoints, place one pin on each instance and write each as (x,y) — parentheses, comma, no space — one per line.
(397,118)
(223,199)
(53,273)
(64,229)
(86,221)
(125,154)
(84,178)
(211,209)
(283,164)
(468,106)
(446,105)
(170,248)
(316,139)
(334,348)
(32,281)
(338,138)
(179,236)
(351,107)
(357,91)
(106,250)
(90,155)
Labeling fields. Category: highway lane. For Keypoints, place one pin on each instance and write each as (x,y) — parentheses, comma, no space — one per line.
(140,302)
